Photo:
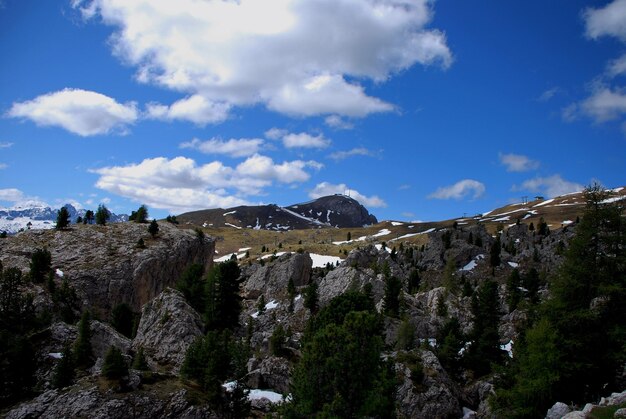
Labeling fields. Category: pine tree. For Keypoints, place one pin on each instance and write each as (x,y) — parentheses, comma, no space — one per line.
(63,375)
(223,302)
(494,253)
(114,366)
(153,228)
(40,265)
(82,347)
(311,298)
(63,219)
(391,299)
(102,215)
(513,284)
(139,216)
(89,217)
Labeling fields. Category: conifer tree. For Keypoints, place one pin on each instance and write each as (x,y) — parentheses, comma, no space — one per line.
(89,217)
(63,375)
(102,215)
(114,366)
(153,228)
(82,347)
(40,265)
(223,302)
(391,299)
(63,219)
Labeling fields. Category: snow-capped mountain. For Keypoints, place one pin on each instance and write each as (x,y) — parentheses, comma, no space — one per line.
(15,219)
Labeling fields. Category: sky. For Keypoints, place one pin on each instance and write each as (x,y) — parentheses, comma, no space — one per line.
(421,110)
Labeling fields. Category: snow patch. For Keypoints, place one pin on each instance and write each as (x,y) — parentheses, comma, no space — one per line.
(232,225)
(320,261)
(59,273)
(546,202)
(272,396)
(277,255)
(566,222)
(513,264)
(508,347)
(228,213)
(55,355)
(396,223)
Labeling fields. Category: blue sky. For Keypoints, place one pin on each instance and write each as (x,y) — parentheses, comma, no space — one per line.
(423,110)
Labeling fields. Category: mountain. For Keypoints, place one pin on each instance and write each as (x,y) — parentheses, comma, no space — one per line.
(15,219)
(328,211)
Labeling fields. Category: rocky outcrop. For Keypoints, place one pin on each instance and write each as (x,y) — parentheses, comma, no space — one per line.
(435,397)
(336,210)
(91,402)
(272,279)
(103,336)
(270,373)
(167,328)
(558,411)
(104,264)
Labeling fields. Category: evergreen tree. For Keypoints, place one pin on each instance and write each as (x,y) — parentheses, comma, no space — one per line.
(450,281)
(63,375)
(406,336)
(102,215)
(391,298)
(82,347)
(485,347)
(139,216)
(192,284)
(291,292)
(79,220)
(414,281)
(340,346)
(450,341)
(40,265)
(223,302)
(114,366)
(63,219)
(277,341)
(575,350)
(89,217)
(514,294)
(139,361)
(153,228)
(311,298)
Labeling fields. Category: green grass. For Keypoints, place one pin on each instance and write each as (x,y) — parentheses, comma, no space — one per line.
(605,412)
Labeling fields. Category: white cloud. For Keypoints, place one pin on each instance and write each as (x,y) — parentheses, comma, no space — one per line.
(325,188)
(276,133)
(179,184)
(359,151)
(79,111)
(239,53)
(3,166)
(337,122)
(609,20)
(196,108)
(550,186)
(242,147)
(460,190)
(19,199)
(604,104)
(6,144)
(517,162)
(617,67)
(304,140)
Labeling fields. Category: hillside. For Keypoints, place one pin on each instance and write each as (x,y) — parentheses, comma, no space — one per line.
(426,319)
(337,211)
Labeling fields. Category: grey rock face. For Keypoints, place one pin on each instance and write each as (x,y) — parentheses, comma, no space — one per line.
(273,278)
(167,328)
(103,336)
(436,397)
(104,265)
(558,411)
(271,373)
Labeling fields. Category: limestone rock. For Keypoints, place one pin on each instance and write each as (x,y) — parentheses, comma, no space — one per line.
(168,326)
(272,279)
(558,411)
(105,266)
(271,373)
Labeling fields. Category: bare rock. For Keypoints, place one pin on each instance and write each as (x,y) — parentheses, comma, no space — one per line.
(273,278)
(105,266)
(103,336)
(167,328)
(436,397)
(558,411)
(271,373)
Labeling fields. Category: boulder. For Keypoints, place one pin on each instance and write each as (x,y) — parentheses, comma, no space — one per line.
(558,410)
(167,328)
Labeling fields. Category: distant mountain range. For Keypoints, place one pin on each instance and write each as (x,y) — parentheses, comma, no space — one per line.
(15,219)
(328,211)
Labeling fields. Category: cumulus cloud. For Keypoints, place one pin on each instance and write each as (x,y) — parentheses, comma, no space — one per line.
(609,20)
(242,147)
(304,140)
(604,104)
(6,144)
(276,133)
(359,151)
(179,184)
(19,198)
(517,162)
(81,112)
(239,53)
(197,109)
(460,190)
(550,186)
(325,188)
